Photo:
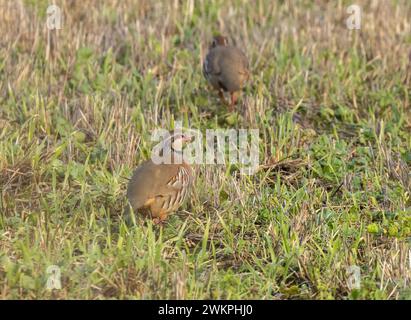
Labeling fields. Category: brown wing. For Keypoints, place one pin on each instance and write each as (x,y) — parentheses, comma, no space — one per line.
(235,57)
(234,68)
(150,180)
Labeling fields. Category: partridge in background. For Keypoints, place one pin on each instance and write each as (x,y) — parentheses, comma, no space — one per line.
(160,189)
(226,68)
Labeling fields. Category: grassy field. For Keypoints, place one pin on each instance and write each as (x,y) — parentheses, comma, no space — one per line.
(332,106)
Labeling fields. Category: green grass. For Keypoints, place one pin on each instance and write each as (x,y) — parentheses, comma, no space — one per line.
(333,110)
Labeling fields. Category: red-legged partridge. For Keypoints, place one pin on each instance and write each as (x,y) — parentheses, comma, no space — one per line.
(160,189)
(226,68)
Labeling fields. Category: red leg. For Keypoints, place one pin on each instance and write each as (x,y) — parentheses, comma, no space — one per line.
(233,100)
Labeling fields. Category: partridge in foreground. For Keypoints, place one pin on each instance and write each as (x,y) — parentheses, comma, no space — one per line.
(226,68)
(160,189)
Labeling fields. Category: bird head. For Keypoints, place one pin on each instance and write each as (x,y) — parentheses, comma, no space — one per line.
(219,41)
(179,140)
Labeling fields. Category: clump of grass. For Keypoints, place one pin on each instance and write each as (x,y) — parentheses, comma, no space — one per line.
(333,190)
